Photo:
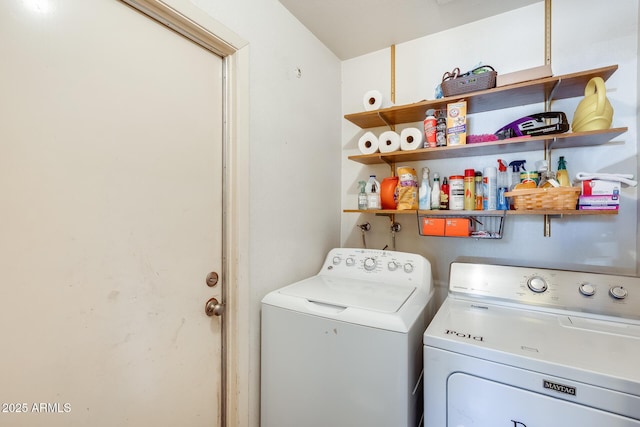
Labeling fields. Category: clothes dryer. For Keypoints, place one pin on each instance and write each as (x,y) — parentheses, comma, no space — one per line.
(527,347)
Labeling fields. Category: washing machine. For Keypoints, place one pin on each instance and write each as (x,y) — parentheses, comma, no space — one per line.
(526,347)
(343,348)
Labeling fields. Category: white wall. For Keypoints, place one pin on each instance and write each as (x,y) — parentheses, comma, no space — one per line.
(294,152)
(585,35)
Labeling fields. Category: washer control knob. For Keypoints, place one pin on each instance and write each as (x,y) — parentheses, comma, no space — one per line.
(618,292)
(537,284)
(350,262)
(392,266)
(408,268)
(369,264)
(587,289)
(336,260)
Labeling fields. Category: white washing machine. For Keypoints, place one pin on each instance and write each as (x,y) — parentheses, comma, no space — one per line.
(530,347)
(344,348)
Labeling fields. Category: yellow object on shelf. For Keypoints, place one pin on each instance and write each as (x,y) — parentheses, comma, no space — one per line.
(594,112)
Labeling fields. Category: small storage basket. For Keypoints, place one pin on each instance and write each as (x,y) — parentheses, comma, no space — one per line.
(469,82)
(552,198)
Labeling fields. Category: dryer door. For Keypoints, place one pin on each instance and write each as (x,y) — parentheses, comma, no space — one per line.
(475,401)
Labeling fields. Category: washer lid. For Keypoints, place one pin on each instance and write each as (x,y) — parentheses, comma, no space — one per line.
(362,294)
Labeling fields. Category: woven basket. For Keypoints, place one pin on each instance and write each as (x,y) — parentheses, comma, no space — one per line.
(469,83)
(554,198)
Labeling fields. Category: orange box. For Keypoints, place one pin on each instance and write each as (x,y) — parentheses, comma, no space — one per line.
(433,226)
(459,227)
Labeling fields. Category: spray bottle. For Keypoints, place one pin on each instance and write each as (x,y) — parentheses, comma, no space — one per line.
(516,167)
(362,196)
(503,185)
(424,192)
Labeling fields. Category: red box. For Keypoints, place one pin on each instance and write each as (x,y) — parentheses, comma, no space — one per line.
(433,226)
(457,227)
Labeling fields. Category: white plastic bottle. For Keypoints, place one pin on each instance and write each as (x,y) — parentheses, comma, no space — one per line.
(373,193)
(490,190)
(435,192)
(424,192)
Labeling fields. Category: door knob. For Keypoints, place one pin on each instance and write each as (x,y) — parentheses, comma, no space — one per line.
(213,307)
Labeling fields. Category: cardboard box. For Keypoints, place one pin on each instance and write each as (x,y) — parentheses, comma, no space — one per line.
(433,226)
(524,75)
(600,187)
(609,199)
(598,207)
(457,227)
(457,123)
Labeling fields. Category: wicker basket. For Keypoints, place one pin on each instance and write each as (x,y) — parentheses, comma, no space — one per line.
(554,198)
(469,82)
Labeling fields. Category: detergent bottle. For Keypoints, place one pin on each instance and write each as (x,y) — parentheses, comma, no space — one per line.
(562,175)
(435,192)
(372,190)
(424,192)
(503,186)
(362,196)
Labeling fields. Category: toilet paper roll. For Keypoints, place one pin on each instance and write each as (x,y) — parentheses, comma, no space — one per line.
(372,100)
(368,143)
(389,141)
(411,139)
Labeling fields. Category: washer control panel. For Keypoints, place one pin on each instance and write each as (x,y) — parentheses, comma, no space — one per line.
(377,265)
(604,294)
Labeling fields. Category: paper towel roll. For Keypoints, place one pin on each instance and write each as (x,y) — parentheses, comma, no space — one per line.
(389,141)
(368,143)
(411,139)
(372,100)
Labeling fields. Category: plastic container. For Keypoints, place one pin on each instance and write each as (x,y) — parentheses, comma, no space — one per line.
(546,176)
(362,196)
(435,192)
(562,176)
(490,191)
(372,190)
(503,186)
(444,194)
(479,187)
(469,189)
(456,192)
(424,191)
(441,130)
(430,124)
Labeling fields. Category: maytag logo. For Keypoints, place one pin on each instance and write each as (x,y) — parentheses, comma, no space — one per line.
(463,335)
(559,387)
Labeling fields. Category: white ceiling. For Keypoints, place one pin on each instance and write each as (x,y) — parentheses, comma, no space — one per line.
(352,28)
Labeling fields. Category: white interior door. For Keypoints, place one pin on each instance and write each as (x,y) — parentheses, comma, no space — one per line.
(110,218)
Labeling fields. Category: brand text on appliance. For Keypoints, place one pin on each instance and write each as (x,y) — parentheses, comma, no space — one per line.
(559,387)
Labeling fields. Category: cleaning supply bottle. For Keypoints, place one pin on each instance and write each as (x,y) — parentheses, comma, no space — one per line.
(444,194)
(563,175)
(516,167)
(469,189)
(435,192)
(503,186)
(373,193)
(547,177)
(479,190)
(362,196)
(430,129)
(489,193)
(424,192)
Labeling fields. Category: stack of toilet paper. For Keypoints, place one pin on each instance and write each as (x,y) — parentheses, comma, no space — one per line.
(408,139)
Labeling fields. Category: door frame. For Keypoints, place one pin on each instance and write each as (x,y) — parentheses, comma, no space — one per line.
(200,28)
